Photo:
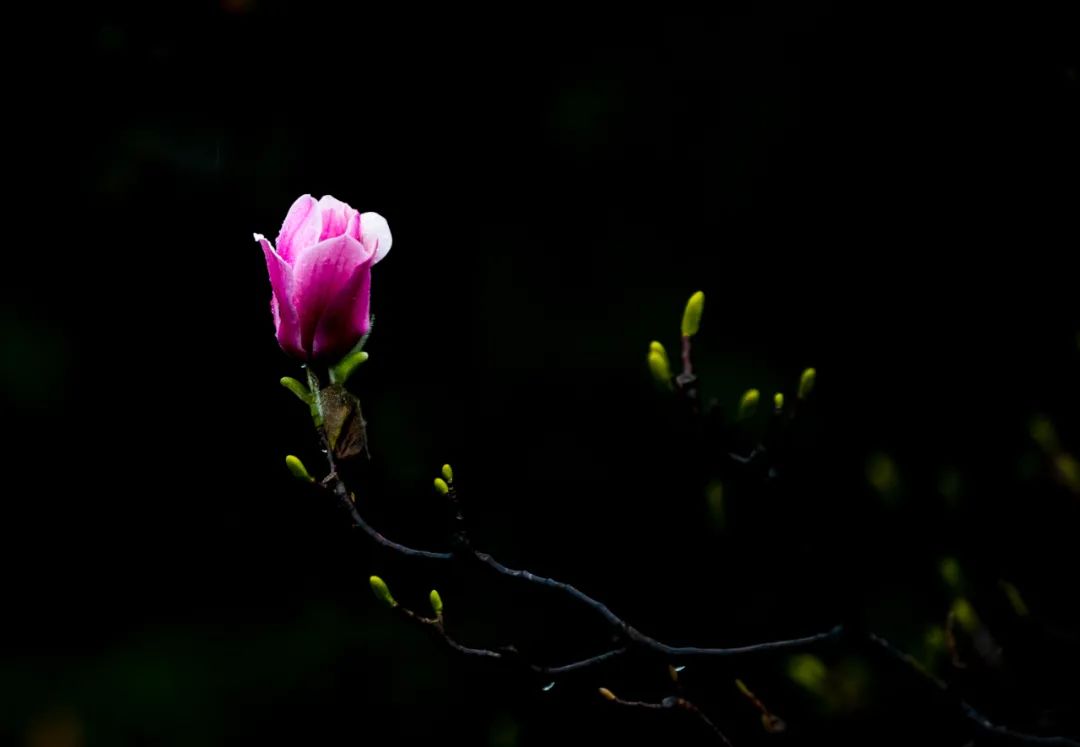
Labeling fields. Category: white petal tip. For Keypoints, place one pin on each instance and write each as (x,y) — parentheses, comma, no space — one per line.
(375,230)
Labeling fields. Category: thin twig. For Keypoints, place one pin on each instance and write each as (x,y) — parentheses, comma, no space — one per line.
(687,362)
(951,642)
(337,487)
(507,654)
(969,711)
(636,636)
(579,665)
(769,720)
(669,703)
(687,381)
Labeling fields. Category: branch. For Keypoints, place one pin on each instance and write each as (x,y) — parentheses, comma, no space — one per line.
(636,636)
(506,654)
(334,483)
(583,664)
(980,721)
(665,704)
(337,487)
(686,381)
(772,723)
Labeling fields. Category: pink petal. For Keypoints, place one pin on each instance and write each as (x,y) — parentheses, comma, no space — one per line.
(286,322)
(336,216)
(321,274)
(347,318)
(353,228)
(375,233)
(301,228)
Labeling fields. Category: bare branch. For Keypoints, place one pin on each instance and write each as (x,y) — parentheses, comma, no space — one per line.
(969,711)
(672,702)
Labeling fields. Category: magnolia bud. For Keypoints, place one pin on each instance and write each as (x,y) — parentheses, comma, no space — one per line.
(381,591)
(299,471)
(436,603)
(806,382)
(808,671)
(1013,594)
(748,403)
(1044,433)
(447,473)
(341,372)
(691,321)
(296,388)
(659,366)
(949,568)
(965,614)
(441,487)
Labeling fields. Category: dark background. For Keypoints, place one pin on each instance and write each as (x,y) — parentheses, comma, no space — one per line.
(889,197)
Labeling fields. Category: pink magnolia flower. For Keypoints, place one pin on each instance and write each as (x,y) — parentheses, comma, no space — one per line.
(320,273)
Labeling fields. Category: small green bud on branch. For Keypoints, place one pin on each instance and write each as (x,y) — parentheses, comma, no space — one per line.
(691,321)
(381,591)
(806,382)
(341,372)
(297,468)
(659,365)
(748,403)
(296,388)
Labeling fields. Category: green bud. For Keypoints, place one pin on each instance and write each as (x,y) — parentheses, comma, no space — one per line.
(1013,594)
(441,487)
(808,671)
(448,473)
(606,694)
(660,368)
(949,568)
(340,373)
(778,401)
(691,320)
(1068,471)
(1044,433)
(806,382)
(935,638)
(655,347)
(965,615)
(296,388)
(882,473)
(748,403)
(381,591)
(299,471)
(436,603)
